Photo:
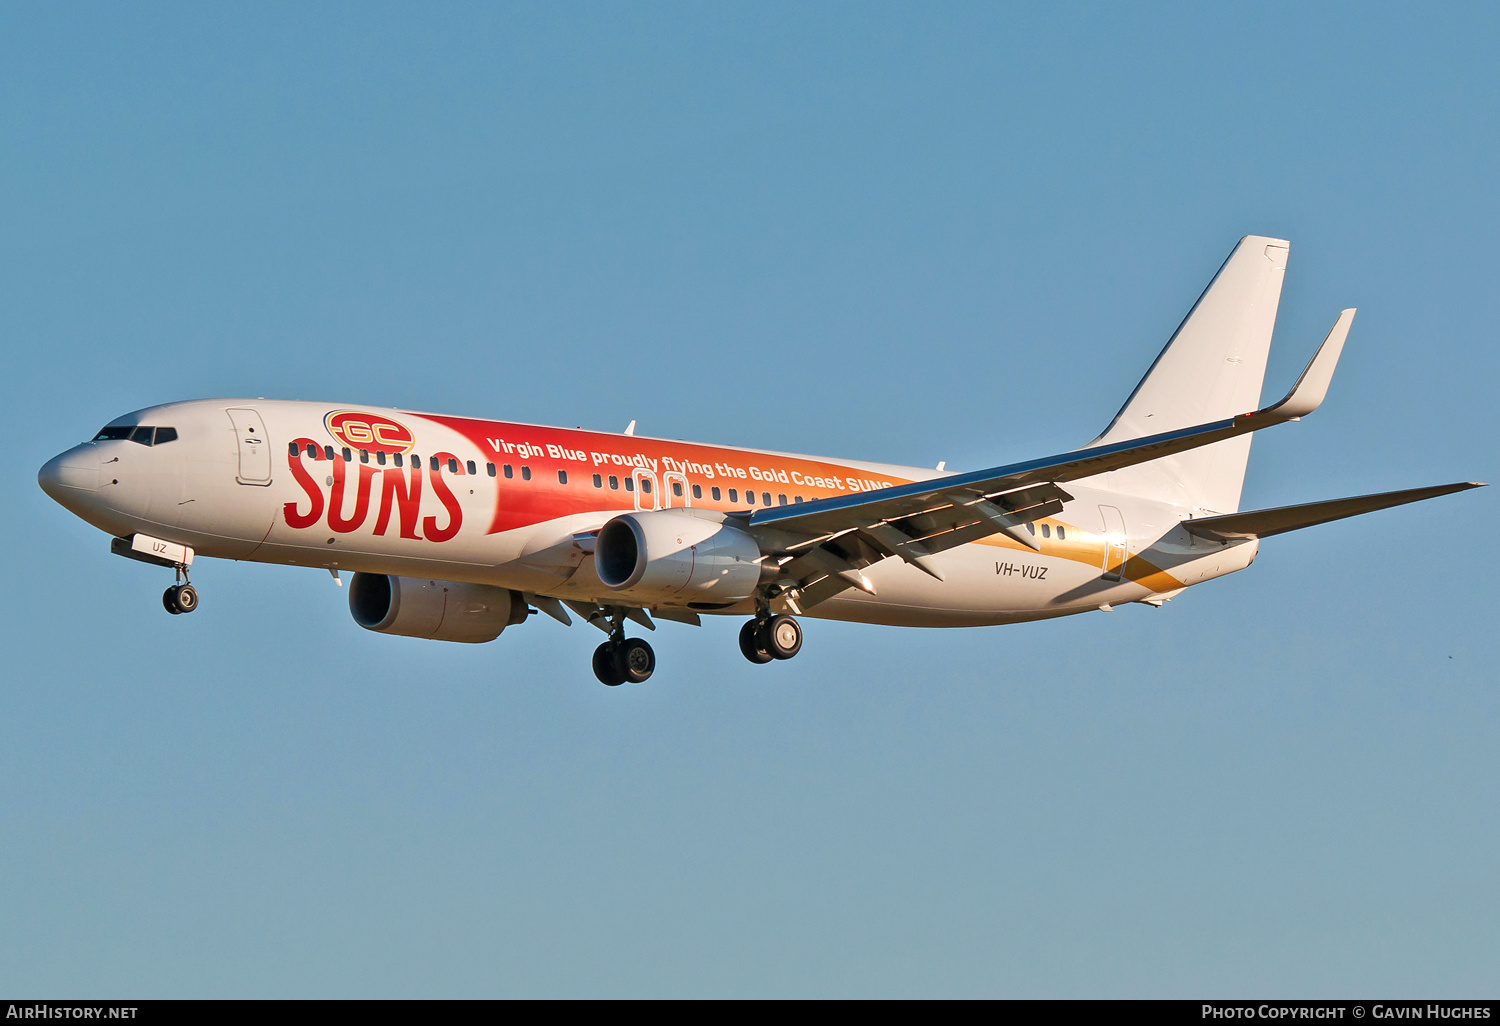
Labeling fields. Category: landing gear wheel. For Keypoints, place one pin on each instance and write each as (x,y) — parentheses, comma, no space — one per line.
(634,660)
(604,666)
(180,598)
(782,636)
(753,642)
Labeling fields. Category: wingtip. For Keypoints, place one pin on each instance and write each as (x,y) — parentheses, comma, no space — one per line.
(1312,386)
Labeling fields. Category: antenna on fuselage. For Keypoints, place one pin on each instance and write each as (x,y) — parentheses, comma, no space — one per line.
(630,428)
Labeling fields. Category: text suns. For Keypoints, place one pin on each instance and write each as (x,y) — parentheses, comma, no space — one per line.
(400,494)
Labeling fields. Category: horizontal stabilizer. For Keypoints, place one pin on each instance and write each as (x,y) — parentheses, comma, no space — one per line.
(1263,523)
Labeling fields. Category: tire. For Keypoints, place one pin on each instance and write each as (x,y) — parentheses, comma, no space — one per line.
(752,645)
(169,601)
(634,661)
(604,666)
(186,599)
(782,636)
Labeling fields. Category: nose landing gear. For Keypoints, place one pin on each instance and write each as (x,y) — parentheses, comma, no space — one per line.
(622,659)
(770,637)
(181,597)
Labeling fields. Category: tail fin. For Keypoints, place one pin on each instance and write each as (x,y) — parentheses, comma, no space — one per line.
(1211,369)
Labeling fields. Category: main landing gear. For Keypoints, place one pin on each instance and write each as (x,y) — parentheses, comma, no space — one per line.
(181,597)
(622,659)
(770,637)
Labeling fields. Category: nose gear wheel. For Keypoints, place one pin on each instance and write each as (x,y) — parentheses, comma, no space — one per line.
(180,598)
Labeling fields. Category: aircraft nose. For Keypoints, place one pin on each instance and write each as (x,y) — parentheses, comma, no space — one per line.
(71,477)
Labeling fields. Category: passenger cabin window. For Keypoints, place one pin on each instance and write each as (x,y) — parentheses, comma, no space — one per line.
(765,498)
(796,498)
(292,450)
(562,477)
(646,485)
(114,434)
(780,500)
(432,463)
(452,465)
(312,451)
(1046,531)
(677,488)
(489,468)
(630,484)
(714,491)
(328,452)
(614,482)
(697,491)
(397,459)
(598,481)
(364,455)
(734,495)
(380,457)
(1062,535)
(471,468)
(508,471)
(525,473)
(348,456)
(749,497)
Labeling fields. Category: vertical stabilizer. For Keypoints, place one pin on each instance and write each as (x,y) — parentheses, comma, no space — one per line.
(1211,369)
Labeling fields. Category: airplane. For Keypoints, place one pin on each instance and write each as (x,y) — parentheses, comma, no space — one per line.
(455,528)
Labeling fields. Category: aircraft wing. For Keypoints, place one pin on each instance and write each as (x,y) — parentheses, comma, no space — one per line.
(831,540)
(1263,523)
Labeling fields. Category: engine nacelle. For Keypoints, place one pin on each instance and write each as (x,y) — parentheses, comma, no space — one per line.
(441,610)
(672,555)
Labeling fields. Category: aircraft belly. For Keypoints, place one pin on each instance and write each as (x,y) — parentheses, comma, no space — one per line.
(981,584)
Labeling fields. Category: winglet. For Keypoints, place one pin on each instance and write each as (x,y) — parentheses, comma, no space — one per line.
(1308,393)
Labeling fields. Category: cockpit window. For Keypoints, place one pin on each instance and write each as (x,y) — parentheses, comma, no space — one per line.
(145,434)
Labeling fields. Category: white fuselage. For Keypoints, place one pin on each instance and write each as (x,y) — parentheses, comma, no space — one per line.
(229,486)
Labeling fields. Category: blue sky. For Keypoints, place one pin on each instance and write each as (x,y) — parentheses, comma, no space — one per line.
(897,232)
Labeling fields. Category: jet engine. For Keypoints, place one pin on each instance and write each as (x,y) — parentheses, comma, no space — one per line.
(673,555)
(442,610)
